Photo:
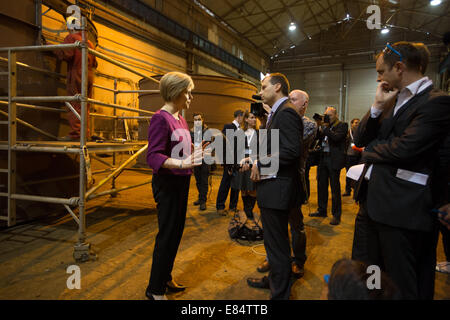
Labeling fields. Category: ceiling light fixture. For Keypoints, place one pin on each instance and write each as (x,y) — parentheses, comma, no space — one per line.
(385,30)
(292,26)
(435,2)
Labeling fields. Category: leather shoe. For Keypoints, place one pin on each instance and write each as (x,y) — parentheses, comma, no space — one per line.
(196,203)
(262,283)
(318,214)
(297,272)
(335,221)
(172,286)
(203,206)
(263,267)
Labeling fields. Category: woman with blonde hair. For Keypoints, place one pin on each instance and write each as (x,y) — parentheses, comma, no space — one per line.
(169,155)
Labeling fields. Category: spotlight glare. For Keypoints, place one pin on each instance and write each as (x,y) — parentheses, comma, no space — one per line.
(385,31)
(292,27)
(435,2)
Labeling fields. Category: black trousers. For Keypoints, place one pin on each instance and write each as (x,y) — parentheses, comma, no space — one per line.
(201,174)
(328,174)
(350,162)
(298,236)
(360,249)
(171,196)
(276,243)
(222,194)
(407,256)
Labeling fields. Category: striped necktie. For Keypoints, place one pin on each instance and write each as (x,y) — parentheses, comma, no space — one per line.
(269,118)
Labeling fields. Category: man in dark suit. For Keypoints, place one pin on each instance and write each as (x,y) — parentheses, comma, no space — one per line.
(279,183)
(201,173)
(332,160)
(400,155)
(225,183)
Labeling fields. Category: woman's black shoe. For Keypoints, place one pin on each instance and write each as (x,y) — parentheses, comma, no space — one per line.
(149,295)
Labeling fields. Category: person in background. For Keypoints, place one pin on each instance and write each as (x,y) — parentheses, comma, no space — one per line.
(73,82)
(313,155)
(201,173)
(332,160)
(353,155)
(172,171)
(227,176)
(242,180)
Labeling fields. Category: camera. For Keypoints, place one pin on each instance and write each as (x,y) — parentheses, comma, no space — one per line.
(257,107)
(318,117)
(324,118)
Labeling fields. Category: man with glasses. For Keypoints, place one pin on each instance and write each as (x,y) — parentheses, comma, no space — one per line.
(401,134)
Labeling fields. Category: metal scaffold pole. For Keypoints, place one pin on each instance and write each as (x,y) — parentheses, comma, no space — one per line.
(81,249)
(12,136)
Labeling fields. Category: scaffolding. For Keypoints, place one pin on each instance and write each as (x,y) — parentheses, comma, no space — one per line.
(83,148)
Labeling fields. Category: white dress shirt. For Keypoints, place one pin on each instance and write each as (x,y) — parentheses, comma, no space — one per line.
(405,95)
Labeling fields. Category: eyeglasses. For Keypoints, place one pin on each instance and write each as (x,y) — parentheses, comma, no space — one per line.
(389,47)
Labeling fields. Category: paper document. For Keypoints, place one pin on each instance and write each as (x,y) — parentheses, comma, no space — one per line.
(355,172)
(416,177)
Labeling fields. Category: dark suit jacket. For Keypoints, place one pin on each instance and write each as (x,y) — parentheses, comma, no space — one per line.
(409,141)
(284,191)
(337,134)
(229,146)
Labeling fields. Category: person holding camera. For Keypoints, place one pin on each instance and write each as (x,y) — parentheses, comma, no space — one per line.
(332,159)
(201,172)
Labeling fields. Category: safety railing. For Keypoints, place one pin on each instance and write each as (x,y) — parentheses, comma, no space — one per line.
(81,248)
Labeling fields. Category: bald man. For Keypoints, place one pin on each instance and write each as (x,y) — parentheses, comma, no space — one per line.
(332,160)
(300,100)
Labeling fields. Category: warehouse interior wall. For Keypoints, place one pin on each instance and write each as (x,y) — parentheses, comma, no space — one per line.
(358,88)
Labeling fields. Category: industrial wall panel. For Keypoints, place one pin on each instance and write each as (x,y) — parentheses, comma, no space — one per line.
(361,88)
(323,89)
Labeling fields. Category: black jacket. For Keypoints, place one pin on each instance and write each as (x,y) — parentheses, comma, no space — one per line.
(410,141)
(337,135)
(285,191)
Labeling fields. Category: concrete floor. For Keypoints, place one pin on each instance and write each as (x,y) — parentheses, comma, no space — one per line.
(34,257)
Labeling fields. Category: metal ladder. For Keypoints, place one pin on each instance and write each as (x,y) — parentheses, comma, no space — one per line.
(12,137)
